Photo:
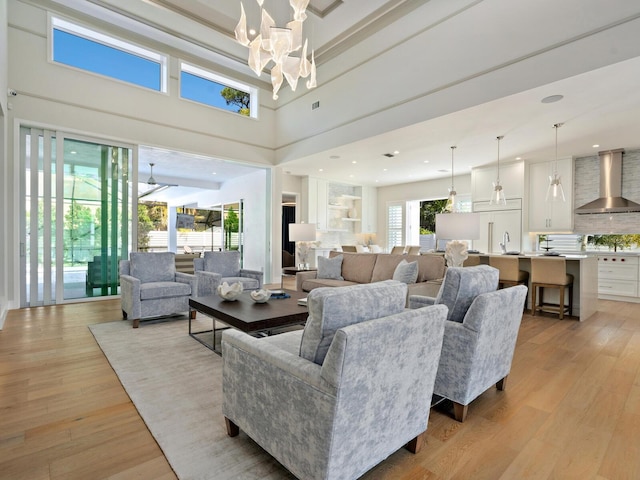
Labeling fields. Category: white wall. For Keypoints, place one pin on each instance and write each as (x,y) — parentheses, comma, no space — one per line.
(4,212)
(61,98)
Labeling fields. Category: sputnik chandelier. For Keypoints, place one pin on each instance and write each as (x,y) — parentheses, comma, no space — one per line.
(277,44)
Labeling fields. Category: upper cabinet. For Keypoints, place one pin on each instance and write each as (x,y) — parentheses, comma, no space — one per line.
(369,210)
(547,216)
(314,202)
(511,179)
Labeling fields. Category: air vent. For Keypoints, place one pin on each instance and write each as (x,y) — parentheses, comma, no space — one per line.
(390,155)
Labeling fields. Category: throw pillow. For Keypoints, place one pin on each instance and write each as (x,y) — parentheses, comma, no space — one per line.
(406,272)
(330,268)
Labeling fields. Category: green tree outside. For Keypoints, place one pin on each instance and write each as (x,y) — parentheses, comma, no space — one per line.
(231,225)
(240,99)
(145,225)
(428,211)
(78,226)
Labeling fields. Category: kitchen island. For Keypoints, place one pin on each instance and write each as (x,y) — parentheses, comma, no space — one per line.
(584,269)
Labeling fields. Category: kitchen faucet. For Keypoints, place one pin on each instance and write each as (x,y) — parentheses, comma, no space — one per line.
(505,240)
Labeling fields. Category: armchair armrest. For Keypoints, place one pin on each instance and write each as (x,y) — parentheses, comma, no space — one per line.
(257,274)
(207,282)
(302,276)
(419,301)
(189,279)
(130,296)
(273,358)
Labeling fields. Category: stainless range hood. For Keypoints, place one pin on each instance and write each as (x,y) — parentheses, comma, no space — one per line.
(611,199)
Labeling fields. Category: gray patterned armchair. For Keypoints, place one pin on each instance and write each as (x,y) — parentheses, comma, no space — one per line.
(334,400)
(480,338)
(151,287)
(217,267)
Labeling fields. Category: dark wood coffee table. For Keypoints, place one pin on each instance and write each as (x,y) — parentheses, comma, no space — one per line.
(247,315)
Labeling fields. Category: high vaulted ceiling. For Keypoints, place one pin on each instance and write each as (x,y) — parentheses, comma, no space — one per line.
(513,53)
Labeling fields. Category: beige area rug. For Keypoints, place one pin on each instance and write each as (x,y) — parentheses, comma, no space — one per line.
(176,384)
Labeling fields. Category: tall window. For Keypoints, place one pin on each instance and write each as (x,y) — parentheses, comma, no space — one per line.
(395,225)
(206,87)
(82,48)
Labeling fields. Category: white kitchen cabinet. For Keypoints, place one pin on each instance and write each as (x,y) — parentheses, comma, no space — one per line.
(511,179)
(369,210)
(314,202)
(493,224)
(618,276)
(546,216)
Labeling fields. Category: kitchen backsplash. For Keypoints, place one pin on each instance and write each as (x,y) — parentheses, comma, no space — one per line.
(587,187)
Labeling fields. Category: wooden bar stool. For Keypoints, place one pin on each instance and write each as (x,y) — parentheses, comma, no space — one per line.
(551,273)
(510,273)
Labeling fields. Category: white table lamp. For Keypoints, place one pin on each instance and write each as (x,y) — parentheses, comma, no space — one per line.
(304,234)
(457,228)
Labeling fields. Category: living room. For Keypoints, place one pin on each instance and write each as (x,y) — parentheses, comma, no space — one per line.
(292,142)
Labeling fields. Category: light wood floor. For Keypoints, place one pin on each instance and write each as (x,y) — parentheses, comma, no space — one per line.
(571,408)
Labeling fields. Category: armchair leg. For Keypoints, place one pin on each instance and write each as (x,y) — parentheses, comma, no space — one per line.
(232,429)
(502,384)
(416,444)
(136,323)
(124,315)
(460,411)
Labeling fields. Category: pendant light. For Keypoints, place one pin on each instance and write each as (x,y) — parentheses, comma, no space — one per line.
(497,196)
(451,200)
(555,192)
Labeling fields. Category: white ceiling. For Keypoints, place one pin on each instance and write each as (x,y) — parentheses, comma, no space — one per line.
(600,107)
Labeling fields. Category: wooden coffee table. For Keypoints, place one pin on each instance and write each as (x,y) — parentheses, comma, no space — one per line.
(247,315)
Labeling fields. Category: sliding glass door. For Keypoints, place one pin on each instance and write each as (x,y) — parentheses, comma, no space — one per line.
(77,216)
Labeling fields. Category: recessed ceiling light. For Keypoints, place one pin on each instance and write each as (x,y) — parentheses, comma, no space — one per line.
(252,32)
(595,146)
(350,176)
(384,169)
(354,161)
(552,98)
(334,157)
(377,181)
(396,152)
(426,161)
(518,158)
(214,173)
(321,169)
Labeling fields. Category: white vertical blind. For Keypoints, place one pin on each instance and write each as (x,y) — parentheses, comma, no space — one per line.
(395,225)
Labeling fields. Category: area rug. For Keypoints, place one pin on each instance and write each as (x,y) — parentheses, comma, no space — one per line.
(176,385)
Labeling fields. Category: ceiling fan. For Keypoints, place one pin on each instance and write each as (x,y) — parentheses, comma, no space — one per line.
(157,186)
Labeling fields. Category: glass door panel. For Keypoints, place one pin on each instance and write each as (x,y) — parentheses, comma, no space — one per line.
(77,222)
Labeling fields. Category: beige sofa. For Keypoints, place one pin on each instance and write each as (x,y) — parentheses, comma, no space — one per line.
(375,267)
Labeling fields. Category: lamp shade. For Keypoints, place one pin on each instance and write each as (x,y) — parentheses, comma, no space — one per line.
(458,226)
(302,232)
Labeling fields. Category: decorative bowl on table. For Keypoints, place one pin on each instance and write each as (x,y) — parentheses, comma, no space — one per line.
(231,292)
(260,296)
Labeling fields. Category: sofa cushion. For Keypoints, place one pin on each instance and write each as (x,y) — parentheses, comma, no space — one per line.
(330,267)
(333,308)
(406,272)
(154,290)
(358,267)
(153,267)
(385,266)
(430,266)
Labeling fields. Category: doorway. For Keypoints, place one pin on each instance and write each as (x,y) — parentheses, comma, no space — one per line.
(76,216)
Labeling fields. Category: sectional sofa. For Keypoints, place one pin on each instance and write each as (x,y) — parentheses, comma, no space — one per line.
(358,268)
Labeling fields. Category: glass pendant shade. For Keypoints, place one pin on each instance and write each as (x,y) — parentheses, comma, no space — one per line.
(555,192)
(497,195)
(277,44)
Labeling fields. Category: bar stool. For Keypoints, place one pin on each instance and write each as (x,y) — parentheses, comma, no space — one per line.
(510,273)
(551,273)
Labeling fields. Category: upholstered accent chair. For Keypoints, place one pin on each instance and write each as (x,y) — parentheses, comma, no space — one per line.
(336,399)
(151,287)
(218,267)
(460,286)
(480,338)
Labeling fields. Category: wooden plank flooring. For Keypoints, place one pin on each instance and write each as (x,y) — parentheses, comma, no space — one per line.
(571,408)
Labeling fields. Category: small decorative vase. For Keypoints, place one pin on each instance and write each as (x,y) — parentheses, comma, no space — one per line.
(260,296)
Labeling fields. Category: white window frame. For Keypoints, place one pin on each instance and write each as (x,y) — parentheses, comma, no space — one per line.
(214,77)
(394,229)
(90,34)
